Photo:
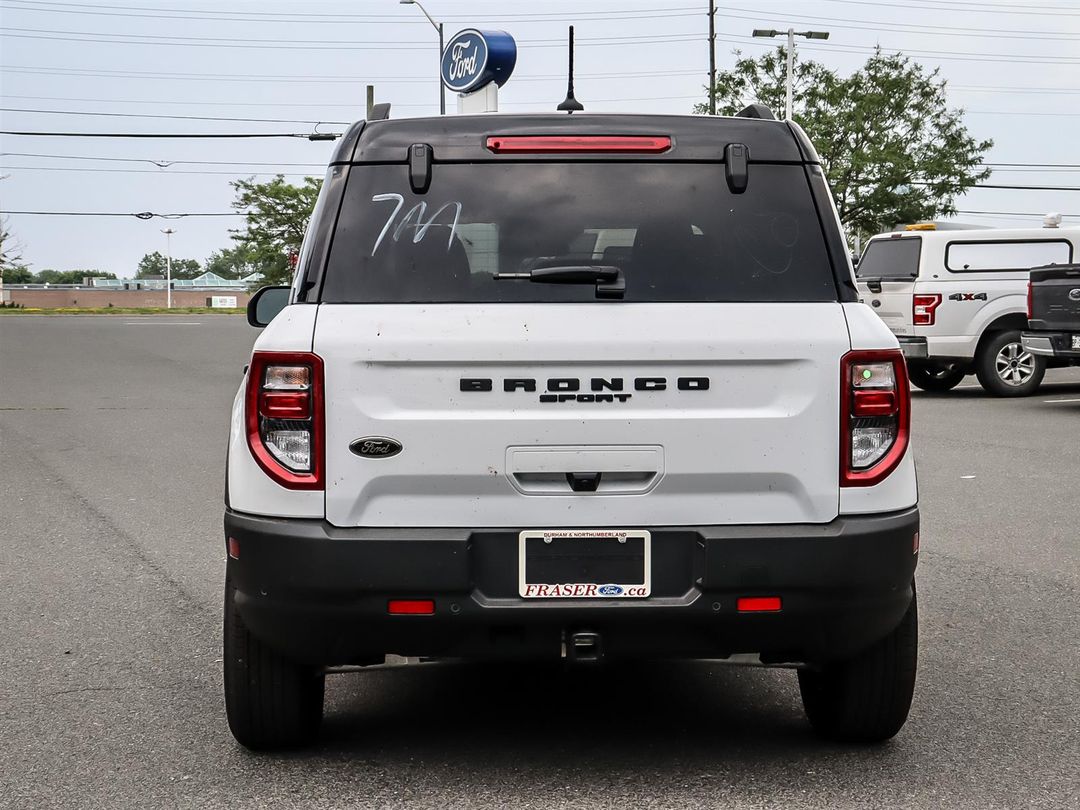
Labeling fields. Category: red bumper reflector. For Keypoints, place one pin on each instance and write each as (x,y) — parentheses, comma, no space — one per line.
(758,604)
(410,607)
(285,405)
(874,403)
(554,144)
(234,548)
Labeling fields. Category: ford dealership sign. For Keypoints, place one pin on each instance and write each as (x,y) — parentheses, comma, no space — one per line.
(474,58)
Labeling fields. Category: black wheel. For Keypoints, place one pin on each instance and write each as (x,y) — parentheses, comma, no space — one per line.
(1005,369)
(935,376)
(865,699)
(270,702)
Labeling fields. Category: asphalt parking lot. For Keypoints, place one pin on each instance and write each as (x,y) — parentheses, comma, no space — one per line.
(112,437)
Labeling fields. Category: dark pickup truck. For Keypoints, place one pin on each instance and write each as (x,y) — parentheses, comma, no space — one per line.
(1054,313)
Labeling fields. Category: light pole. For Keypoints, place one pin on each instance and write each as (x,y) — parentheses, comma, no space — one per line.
(791,34)
(168,266)
(712,57)
(438,27)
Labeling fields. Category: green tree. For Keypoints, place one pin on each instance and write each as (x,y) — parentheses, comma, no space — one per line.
(16,274)
(892,149)
(277,214)
(154,264)
(49,276)
(12,268)
(240,262)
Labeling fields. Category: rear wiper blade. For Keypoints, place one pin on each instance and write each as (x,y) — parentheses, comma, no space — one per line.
(608,279)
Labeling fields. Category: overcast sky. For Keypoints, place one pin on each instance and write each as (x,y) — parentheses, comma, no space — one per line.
(1015,66)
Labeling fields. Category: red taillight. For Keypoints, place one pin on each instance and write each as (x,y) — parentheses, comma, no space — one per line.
(284,415)
(758,604)
(875,415)
(410,607)
(873,403)
(234,548)
(923,308)
(554,144)
(1030,309)
(285,405)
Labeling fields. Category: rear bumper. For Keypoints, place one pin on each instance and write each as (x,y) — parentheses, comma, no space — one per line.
(1051,344)
(914,348)
(319,594)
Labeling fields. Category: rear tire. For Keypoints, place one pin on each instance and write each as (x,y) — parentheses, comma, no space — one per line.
(270,701)
(1005,369)
(866,699)
(935,376)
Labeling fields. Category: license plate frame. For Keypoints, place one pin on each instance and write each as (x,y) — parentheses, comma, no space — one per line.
(575,550)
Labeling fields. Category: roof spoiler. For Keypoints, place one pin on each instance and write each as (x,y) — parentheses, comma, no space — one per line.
(756,111)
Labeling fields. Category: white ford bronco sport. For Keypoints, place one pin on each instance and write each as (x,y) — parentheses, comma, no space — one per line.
(589,386)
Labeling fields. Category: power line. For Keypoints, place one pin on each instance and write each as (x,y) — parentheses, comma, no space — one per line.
(293,17)
(160,163)
(159,172)
(307,136)
(139,215)
(1039,165)
(322,45)
(959,5)
(174,117)
(905,27)
(1011,213)
(310,44)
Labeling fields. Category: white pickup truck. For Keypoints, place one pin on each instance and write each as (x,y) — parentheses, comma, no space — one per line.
(595,387)
(957,301)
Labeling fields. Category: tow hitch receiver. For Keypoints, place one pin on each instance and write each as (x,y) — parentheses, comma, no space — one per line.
(583,646)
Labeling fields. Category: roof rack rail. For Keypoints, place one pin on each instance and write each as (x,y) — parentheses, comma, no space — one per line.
(756,111)
(379,112)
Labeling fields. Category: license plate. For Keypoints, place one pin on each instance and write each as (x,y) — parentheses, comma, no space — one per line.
(584,564)
(1076,341)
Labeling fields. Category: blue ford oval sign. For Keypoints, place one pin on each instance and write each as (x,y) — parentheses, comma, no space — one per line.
(475,58)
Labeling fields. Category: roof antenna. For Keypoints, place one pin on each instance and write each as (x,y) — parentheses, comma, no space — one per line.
(570,104)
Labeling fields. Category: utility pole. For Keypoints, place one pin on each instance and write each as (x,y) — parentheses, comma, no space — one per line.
(168,266)
(712,57)
(791,34)
(790,67)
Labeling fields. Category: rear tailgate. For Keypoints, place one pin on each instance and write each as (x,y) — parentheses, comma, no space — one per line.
(706,413)
(1055,298)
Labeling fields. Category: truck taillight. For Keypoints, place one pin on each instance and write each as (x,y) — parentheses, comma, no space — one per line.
(875,415)
(1030,309)
(923,308)
(284,412)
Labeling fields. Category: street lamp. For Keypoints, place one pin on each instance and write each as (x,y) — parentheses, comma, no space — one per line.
(438,27)
(168,266)
(791,34)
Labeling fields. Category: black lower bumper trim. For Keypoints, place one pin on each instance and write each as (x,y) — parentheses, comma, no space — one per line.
(319,593)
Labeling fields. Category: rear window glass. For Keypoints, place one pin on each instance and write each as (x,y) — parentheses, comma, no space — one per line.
(973,257)
(890,258)
(675,230)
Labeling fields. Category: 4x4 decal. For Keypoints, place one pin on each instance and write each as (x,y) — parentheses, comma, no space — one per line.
(967,297)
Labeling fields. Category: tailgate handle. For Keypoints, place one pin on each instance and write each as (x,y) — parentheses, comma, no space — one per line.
(874,284)
(583,482)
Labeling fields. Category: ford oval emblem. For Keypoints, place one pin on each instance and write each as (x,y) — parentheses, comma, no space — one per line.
(375,447)
(1074,295)
(475,58)
(610,590)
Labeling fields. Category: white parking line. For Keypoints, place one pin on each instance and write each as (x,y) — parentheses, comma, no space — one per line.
(163,323)
(1061,400)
